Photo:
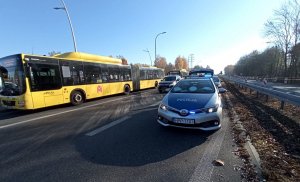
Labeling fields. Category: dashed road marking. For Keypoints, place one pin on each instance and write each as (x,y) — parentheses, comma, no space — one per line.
(155,104)
(105,127)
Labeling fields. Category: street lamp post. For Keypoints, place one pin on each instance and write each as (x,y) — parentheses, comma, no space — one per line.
(66,10)
(149,56)
(155,43)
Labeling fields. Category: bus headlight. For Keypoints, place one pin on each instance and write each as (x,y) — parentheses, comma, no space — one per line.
(21,103)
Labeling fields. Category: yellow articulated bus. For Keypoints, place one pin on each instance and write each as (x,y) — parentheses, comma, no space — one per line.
(32,82)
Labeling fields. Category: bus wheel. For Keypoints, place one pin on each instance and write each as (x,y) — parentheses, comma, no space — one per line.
(126,89)
(76,98)
(156,84)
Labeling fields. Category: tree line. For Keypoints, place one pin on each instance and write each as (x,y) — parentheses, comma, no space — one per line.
(283,58)
(179,64)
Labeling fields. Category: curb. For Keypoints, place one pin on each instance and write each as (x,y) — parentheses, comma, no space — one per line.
(254,156)
(256,162)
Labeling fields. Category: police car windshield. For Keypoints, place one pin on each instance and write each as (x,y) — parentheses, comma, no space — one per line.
(194,86)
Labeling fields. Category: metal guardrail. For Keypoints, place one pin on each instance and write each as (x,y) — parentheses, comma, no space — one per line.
(282,96)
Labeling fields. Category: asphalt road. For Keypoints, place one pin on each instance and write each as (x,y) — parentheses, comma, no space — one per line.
(110,139)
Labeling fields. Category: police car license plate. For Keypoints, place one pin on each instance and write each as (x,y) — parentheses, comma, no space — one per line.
(184,121)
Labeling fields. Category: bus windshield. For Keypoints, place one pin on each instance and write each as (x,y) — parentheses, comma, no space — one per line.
(12,78)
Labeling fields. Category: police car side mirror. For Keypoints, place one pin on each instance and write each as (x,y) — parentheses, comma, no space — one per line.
(222,90)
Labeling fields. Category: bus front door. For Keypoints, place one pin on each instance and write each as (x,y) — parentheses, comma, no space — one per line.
(45,84)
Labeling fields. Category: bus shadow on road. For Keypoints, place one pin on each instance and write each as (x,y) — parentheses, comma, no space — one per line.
(138,141)
(14,113)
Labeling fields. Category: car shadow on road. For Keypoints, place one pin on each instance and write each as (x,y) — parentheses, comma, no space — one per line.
(137,142)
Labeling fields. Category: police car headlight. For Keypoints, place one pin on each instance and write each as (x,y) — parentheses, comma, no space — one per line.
(163,107)
(212,109)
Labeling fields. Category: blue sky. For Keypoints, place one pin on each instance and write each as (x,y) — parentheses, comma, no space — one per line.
(217,32)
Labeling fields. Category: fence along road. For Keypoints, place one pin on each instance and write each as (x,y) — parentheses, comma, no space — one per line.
(282,95)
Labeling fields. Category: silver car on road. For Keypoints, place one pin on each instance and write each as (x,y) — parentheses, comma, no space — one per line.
(192,103)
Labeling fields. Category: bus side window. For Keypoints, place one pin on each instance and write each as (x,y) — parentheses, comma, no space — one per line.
(149,74)
(66,74)
(155,74)
(161,73)
(92,73)
(72,73)
(114,73)
(126,74)
(44,77)
(143,74)
(104,73)
(77,73)
(122,70)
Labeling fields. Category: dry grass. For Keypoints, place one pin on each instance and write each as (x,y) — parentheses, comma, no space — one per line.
(274,133)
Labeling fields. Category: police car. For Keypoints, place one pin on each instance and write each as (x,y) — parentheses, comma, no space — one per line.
(192,103)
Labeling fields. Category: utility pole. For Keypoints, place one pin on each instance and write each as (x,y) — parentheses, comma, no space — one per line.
(191,60)
(70,23)
(155,44)
(146,50)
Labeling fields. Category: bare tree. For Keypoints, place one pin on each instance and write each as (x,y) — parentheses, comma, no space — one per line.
(160,62)
(181,63)
(198,67)
(229,70)
(169,67)
(124,60)
(283,30)
(295,12)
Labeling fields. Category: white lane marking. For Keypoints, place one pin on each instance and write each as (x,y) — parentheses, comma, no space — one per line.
(205,167)
(105,127)
(72,110)
(155,104)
